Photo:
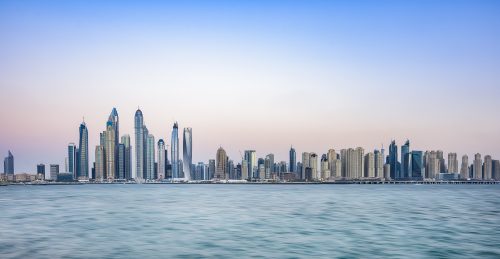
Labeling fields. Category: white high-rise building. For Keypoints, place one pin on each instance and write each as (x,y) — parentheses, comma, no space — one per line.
(140,145)
(100,164)
(487,168)
(187,152)
(370,165)
(110,151)
(161,160)
(150,157)
(379,164)
(452,163)
(477,167)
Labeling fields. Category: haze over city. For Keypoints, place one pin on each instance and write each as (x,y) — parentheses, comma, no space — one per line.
(257,75)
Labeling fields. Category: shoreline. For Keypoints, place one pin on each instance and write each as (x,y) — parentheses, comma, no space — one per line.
(265,183)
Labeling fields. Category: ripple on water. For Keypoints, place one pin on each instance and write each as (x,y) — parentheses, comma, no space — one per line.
(261,221)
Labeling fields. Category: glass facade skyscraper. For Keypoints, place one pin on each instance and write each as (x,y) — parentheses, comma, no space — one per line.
(139,144)
(405,160)
(150,157)
(187,152)
(174,153)
(72,160)
(393,160)
(8,164)
(293,160)
(417,165)
(83,159)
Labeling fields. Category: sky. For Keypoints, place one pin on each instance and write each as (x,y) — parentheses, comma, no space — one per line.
(260,75)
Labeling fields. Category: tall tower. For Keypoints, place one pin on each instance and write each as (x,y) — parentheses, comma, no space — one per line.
(393,160)
(293,160)
(115,122)
(487,168)
(477,169)
(110,151)
(139,144)
(220,172)
(83,143)
(405,160)
(150,157)
(100,163)
(72,160)
(161,159)
(8,164)
(251,158)
(127,160)
(464,168)
(174,153)
(187,152)
(452,163)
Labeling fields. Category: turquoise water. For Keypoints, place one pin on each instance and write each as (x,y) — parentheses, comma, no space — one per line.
(271,221)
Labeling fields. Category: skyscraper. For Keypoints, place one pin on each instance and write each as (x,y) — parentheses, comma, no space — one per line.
(161,159)
(174,153)
(187,152)
(293,160)
(100,163)
(324,168)
(464,168)
(416,165)
(477,167)
(139,145)
(120,170)
(268,166)
(220,172)
(313,163)
(251,158)
(405,160)
(150,157)
(244,170)
(40,171)
(211,168)
(54,172)
(369,165)
(72,160)
(496,169)
(306,163)
(393,160)
(487,168)
(379,164)
(8,164)
(83,161)
(110,151)
(432,165)
(332,160)
(452,163)
(127,160)
(442,164)
(115,122)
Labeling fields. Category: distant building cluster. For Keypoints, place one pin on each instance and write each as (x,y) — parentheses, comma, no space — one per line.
(113,162)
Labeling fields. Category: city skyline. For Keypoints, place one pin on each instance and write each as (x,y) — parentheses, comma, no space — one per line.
(260,75)
(113,161)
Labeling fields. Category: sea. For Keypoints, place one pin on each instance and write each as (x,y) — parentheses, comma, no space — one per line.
(249,221)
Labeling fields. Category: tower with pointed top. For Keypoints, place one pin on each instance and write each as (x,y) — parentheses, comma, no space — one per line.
(139,144)
(293,160)
(83,152)
(174,153)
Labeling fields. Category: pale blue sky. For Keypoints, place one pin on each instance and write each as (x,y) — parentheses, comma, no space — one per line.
(251,75)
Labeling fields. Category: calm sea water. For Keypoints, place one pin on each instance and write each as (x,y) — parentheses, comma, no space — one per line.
(271,221)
